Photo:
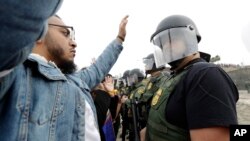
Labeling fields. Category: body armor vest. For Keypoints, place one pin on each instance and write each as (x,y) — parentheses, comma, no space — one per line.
(158,129)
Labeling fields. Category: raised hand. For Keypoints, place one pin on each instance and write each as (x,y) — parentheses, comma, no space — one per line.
(122,29)
(108,83)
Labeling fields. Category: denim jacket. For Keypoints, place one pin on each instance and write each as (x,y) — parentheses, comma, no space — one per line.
(22,22)
(39,103)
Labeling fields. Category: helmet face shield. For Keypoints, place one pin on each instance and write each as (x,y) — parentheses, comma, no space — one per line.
(149,63)
(124,81)
(133,79)
(174,44)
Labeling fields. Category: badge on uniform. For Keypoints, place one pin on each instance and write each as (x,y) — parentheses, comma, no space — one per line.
(149,86)
(131,96)
(141,91)
(156,97)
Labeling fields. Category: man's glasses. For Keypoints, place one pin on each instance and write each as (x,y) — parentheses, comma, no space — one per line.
(70,31)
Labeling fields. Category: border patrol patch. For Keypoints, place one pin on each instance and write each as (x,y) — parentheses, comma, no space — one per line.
(156,97)
(141,91)
(149,86)
(131,96)
(145,81)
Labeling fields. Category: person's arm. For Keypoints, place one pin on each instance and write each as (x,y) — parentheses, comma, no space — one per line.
(211,105)
(96,72)
(22,23)
(118,109)
(143,134)
(210,134)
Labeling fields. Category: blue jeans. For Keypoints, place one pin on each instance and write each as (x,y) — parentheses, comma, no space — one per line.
(22,22)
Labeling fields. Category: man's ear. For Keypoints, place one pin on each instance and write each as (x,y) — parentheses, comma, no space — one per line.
(39,41)
(38,46)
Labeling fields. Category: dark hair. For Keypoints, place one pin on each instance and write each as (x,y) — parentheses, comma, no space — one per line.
(109,75)
(106,76)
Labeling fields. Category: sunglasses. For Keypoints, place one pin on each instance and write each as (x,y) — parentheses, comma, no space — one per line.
(70,30)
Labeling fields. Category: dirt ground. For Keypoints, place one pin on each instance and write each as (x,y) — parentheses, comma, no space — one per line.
(243,108)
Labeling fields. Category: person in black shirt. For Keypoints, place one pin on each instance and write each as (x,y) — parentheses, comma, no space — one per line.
(198,102)
(106,103)
(115,109)
(102,101)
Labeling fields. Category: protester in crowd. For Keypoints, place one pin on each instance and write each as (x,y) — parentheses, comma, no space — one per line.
(115,104)
(198,101)
(45,98)
(102,99)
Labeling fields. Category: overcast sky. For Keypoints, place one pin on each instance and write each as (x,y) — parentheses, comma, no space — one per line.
(220,23)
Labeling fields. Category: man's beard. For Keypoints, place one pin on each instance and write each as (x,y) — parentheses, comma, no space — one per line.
(66,66)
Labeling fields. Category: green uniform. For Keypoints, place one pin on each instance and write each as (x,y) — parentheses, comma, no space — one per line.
(143,94)
(158,129)
(152,87)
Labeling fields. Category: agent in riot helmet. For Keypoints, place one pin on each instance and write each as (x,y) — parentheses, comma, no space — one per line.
(199,99)
(125,77)
(135,75)
(175,38)
(125,74)
(150,65)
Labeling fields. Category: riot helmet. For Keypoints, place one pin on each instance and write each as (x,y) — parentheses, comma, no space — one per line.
(175,38)
(150,66)
(136,75)
(126,74)
(125,77)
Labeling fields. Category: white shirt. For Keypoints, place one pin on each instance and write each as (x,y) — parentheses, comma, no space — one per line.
(91,127)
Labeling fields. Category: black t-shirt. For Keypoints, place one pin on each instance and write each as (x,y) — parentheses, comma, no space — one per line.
(113,105)
(204,97)
(102,102)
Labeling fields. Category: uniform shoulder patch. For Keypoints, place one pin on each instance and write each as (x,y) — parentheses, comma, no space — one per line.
(156,97)
(140,91)
(149,85)
(145,81)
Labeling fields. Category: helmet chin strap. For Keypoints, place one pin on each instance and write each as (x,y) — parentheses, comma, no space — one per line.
(175,64)
(181,63)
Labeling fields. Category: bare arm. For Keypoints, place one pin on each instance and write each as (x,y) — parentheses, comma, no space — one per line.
(210,134)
